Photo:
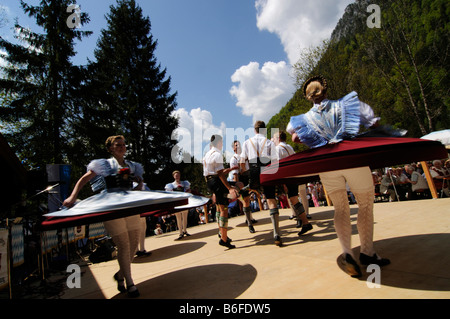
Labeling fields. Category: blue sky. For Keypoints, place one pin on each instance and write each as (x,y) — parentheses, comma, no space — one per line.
(229,60)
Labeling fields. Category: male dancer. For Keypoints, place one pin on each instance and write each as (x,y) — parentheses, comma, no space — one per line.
(260,151)
(284,150)
(215,175)
(240,180)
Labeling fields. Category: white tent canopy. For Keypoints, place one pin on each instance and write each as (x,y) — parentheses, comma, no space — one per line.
(441,136)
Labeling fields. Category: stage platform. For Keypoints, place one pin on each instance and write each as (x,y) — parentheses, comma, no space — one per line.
(415,235)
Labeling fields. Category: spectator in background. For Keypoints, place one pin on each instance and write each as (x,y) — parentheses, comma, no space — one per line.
(158,229)
(404,182)
(418,182)
(439,173)
(387,185)
(182,217)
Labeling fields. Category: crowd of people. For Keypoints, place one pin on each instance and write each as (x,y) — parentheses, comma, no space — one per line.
(407,182)
(410,181)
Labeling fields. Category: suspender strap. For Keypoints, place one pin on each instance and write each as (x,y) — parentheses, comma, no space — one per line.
(286,149)
(256,149)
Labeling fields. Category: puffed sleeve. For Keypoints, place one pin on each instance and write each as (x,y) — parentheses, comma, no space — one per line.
(169,187)
(290,129)
(367,115)
(138,169)
(187,185)
(100,167)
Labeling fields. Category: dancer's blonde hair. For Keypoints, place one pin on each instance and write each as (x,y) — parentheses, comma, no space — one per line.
(315,88)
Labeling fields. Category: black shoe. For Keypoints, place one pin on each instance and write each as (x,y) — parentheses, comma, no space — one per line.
(228,239)
(308,216)
(278,241)
(141,253)
(299,223)
(120,283)
(351,267)
(133,293)
(226,244)
(367,260)
(187,234)
(251,229)
(180,237)
(305,228)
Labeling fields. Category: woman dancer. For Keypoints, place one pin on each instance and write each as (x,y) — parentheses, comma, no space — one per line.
(125,232)
(330,122)
(182,217)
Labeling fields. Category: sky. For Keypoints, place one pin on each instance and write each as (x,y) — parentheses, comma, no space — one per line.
(230,61)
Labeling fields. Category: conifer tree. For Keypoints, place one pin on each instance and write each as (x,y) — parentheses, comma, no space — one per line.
(132,92)
(38,83)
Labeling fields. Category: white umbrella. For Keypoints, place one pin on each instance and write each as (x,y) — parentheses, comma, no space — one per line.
(441,136)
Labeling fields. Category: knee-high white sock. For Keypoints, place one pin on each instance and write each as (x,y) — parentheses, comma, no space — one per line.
(185,220)
(123,257)
(179,222)
(142,234)
(127,244)
(274,217)
(303,198)
(365,221)
(342,219)
(133,238)
(248,215)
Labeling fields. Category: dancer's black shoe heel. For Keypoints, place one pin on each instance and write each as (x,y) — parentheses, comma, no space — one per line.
(120,283)
(226,244)
(351,267)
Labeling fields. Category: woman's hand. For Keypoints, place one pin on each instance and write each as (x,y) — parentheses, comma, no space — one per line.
(140,181)
(295,138)
(69,201)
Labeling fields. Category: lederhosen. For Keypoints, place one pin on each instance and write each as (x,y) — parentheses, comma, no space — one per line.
(255,170)
(216,187)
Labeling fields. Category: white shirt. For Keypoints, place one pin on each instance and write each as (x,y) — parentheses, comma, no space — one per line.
(284,150)
(421,181)
(234,162)
(171,186)
(212,162)
(258,146)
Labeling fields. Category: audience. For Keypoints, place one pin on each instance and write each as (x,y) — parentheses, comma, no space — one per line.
(399,183)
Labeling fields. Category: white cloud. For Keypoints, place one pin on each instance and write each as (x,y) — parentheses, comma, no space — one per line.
(262,92)
(195,130)
(299,24)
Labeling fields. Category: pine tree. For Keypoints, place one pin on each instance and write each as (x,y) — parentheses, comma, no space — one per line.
(132,91)
(38,83)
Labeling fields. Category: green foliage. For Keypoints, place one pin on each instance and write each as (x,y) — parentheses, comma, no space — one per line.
(130,92)
(37,84)
(400,69)
(55,112)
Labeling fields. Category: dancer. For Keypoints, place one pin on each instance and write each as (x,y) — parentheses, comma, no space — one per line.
(285,150)
(260,151)
(216,179)
(124,231)
(182,217)
(240,180)
(330,122)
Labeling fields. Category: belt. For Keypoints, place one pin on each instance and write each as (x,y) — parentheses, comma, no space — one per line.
(209,177)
